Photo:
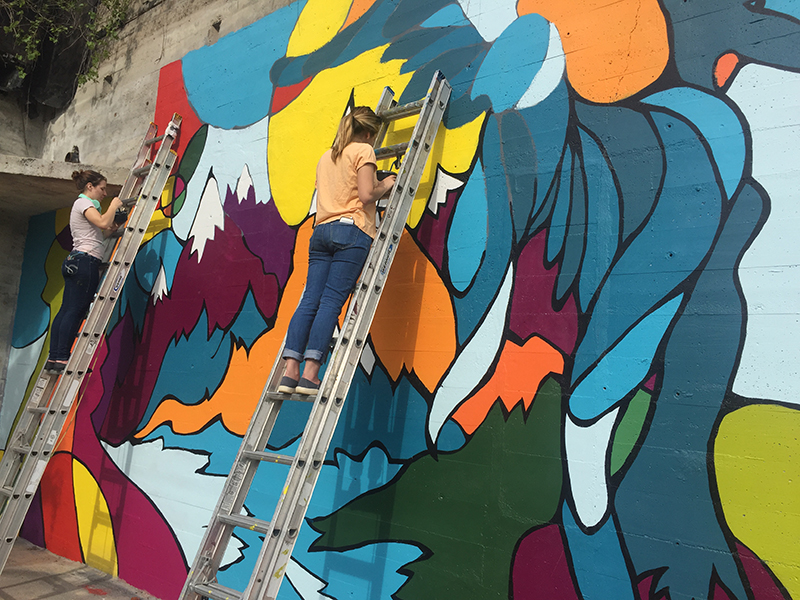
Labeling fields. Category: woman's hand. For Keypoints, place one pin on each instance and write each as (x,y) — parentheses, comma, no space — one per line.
(370,190)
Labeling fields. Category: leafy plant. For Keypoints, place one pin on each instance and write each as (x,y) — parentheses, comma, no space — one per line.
(91,24)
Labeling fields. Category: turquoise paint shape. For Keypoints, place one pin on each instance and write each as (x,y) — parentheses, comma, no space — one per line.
(32,316)
(163,249)
(557,231)
(466,240)
(249,323)
(624,367)
(597,561)
(718,125)
(513,61)
(451,15)
(788,7)
(228,84)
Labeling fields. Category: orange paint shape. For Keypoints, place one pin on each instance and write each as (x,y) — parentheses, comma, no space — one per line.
(58,508)
(414,326)
(724,68)
(517,377)
(357,10)
(236,398)
(613,49)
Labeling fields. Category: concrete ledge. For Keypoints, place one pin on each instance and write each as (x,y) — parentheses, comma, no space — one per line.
(31,186)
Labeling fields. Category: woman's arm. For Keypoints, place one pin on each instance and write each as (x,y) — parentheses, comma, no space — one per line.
(370,190)
(106,220)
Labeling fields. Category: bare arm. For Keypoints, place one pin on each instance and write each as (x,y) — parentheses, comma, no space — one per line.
(370,190)
(106,220)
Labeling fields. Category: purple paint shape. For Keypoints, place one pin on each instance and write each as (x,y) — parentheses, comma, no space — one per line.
(265,232)
(218,284)
(33,526)
(432,229)
(120,347)
(761,582)
(539,570)
(531,307)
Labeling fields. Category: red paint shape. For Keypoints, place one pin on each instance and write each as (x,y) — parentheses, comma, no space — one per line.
(95,591)
(650,384)
(724,68)
(58,508)
(283,96)
(539,570)
(761,582)
(644,586)
(172,98)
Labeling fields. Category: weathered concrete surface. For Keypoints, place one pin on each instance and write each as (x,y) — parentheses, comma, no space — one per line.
(108,117)
(13,229)
(31,186)
(19,135)
(33,573)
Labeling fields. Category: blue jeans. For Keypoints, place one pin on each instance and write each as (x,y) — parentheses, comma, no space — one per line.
(336,254)
(81,276)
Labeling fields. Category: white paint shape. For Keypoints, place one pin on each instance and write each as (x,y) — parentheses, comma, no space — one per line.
(549,76)
(160,288)
(770,269)
(475,359)
(209,217)
(490,17)
(307,585)
(443,184)
(368,358)
(172,480)
(21,366)
(243,185)
(587,451)
(226,153)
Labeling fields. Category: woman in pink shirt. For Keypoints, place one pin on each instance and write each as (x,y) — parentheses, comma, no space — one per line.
(81,268)
(347,190)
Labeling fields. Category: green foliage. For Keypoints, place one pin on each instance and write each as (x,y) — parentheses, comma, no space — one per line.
(28,24)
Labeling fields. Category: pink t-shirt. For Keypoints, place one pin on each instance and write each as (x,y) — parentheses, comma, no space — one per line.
(85,236)
(337,187)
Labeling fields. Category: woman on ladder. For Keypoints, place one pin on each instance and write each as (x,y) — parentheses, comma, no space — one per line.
(81,268)
(347,190)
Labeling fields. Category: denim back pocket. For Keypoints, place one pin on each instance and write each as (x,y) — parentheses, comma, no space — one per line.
(70,266)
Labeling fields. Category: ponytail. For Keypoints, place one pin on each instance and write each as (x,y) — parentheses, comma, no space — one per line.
(360,120)
(84,178)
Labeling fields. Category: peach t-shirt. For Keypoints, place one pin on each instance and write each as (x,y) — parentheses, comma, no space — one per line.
(337,187)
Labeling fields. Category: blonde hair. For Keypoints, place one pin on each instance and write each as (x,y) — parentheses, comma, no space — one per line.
(362,119)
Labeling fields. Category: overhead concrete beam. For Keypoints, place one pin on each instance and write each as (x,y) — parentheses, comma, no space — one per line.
(31,186)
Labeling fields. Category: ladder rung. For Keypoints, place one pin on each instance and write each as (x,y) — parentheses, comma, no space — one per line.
(246,522)
(20,448)
(216,591)
(405,110)
(296,397)
(37,409)
(6,491)
(142,170)
(154,140)
(129,201)
(389,151)
(282,459)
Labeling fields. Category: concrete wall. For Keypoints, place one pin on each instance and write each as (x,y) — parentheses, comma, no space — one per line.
(581,381)
(13,231)
(21,136)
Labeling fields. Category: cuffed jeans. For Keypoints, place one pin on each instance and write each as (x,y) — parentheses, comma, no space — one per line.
(81,273)
(336,254)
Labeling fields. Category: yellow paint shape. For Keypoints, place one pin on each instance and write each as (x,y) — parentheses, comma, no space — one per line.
(414,326)
(757,463)
(235,399)
(318,24)
(301,132)
(95,528)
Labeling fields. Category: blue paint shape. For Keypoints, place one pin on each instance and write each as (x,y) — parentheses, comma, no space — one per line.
(249,323)
(466,239)
(513,61)
(192,368)
(624,367)
(451,15)
(133,299)
(717,123)
(673,242)
(228,84)
(787,7)
(602,227)
(455,40)
(557,231)
(216,441)
(163,250)
(597,561)
(32,316)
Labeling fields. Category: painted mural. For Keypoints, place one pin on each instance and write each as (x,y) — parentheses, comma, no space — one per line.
(582,379)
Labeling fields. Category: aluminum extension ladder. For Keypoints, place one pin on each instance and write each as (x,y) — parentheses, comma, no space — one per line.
(40,425)
(280,534)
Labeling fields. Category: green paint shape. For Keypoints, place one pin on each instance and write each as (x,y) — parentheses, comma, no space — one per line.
(629,429)
(466,509)
(189,161)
